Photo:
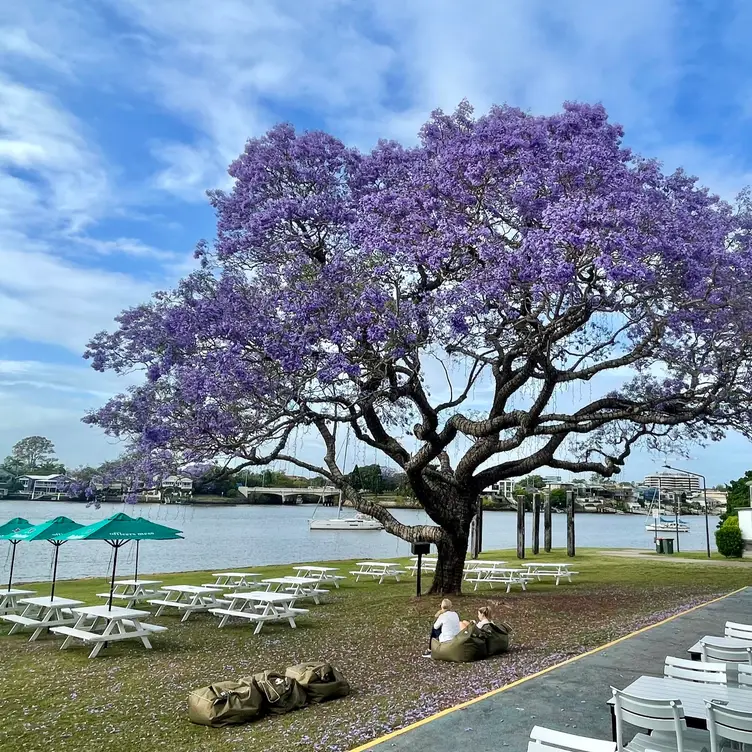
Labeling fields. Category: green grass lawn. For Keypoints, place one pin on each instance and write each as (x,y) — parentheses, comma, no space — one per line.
(132,700)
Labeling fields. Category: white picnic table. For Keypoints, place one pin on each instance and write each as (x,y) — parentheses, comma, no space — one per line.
(695,651)
(132,591)
(187,598)
(300,587)
(323,574)
(377,570)
(473,564)
(549,569)
(40,614)
(260,606)
(225,580)
(118,624)
(428,564)
(9,600)
(498,576)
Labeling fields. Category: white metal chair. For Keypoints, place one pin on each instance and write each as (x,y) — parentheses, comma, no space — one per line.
(725,723)
(696,671)
(744,675)
(548,740)
(738,631)
(713,649)
(664,718)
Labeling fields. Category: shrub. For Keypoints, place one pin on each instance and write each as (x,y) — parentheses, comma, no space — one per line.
(728,538)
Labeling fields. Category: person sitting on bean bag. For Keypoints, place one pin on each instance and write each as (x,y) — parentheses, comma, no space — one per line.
(447,625)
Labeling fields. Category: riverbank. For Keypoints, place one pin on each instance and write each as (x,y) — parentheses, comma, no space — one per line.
(374,634)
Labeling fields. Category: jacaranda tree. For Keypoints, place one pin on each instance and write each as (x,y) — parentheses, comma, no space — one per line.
(519,257)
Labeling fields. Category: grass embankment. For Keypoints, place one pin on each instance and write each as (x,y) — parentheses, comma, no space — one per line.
(133,700)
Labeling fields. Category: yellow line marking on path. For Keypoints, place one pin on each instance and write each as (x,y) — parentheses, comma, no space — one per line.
(517,682)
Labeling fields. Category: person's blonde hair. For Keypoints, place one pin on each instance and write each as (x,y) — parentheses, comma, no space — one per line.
(446,605)
(485,612)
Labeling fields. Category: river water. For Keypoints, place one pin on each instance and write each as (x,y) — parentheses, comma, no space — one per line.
(221,538)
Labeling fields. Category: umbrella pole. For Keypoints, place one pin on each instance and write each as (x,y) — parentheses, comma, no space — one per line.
(54,568)
(12,562)
(116,545)
(136,575)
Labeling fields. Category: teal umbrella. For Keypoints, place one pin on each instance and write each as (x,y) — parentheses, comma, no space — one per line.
(9,531)
(118,530)
(53,531)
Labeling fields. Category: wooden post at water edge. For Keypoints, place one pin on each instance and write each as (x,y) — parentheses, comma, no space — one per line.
(570,523)
(521,526)
(536,522)
(547,522)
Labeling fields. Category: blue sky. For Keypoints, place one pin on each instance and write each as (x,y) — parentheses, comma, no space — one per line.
(117,115)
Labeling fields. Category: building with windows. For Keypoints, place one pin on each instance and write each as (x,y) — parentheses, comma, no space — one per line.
(669,481)
(37,486)
(503,488)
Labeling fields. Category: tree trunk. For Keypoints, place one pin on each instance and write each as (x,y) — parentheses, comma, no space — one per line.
(450,565)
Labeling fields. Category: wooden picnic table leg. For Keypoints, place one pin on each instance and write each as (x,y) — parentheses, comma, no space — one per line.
(48,617)
(26,612)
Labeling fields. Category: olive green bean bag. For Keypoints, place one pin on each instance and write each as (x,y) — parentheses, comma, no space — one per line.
(321,681)
(497,637)
(281,693)
(468,645)
(226,703)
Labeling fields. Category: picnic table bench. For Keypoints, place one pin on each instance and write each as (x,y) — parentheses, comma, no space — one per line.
(226,580)
(428,564)
(40,614)
(472,564)
(377,570)
(508,576)
(538,570)
(132,591)
(323,574)
(9,600)
(260,606)
(120,624)
(189,599)
(300,587)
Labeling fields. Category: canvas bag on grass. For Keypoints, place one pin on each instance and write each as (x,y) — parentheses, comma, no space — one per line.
(497,637)
(281,693)
(226,703)
(321,681)
(468,645)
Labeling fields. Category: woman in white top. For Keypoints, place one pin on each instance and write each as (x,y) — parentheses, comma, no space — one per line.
(446,626)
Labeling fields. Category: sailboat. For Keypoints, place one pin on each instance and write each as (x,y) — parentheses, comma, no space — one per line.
(660,524)
(358,522)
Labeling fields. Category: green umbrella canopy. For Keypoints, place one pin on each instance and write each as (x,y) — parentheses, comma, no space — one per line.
(52,530)
(11,529)
(118,530)
(121,527)
(55,532)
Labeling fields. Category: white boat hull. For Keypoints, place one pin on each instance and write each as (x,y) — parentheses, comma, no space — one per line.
(663,527)
(345,523)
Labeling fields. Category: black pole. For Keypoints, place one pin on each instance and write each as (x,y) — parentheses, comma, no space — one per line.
(417,575)
(136,575)
(536,523)
(57,545)
(480,525)
(116,545)
(547,522)
(707,528)
(570,526)
(12,561)
(521,526)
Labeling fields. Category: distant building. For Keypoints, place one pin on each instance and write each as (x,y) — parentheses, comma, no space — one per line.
(673,482)
(503,488)
(171,483)
(36,486)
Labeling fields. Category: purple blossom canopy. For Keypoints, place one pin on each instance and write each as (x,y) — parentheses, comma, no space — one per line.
(532,252)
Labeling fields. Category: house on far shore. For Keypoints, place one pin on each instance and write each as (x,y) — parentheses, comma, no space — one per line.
(39,486)
(172,486)
(6,482)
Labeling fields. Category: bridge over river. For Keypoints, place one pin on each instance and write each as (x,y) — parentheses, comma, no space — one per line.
(327,496)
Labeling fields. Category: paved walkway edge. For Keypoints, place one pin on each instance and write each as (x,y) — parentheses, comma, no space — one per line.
(499,690)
